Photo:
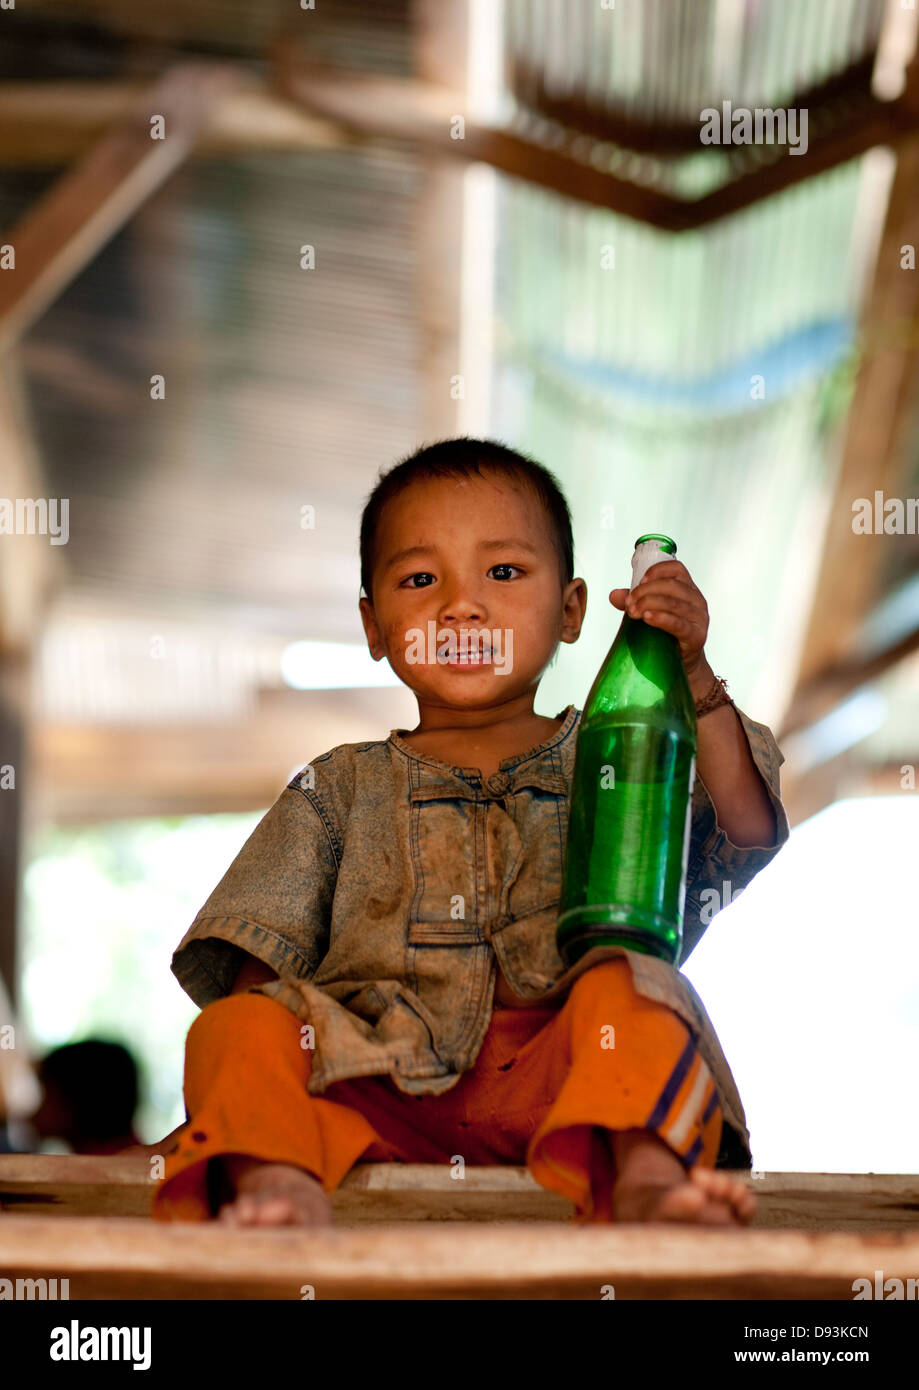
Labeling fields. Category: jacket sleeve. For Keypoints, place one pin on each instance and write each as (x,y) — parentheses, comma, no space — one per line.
(713,859)
(274,901)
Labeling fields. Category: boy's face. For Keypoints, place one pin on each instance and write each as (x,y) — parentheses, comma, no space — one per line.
(472,617)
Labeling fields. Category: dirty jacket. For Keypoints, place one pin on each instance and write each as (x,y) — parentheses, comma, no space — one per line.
(385,885)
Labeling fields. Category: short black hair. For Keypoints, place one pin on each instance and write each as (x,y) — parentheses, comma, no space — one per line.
(461,458)
(98,1081)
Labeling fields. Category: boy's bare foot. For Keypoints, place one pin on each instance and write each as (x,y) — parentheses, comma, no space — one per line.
(272,1194)
(652,1185)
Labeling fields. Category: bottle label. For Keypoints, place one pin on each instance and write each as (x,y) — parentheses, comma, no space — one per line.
(687,836)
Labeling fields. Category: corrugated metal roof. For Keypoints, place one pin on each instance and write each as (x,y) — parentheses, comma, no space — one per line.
(82,38)
(684,319)
(288,388)
(662,63)
(285,387)
(640,386)
(664,60)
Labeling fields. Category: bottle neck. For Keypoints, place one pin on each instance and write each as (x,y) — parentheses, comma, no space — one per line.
(644,556)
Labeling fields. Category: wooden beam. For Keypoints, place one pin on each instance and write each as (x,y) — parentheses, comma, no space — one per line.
(879,432)
(88,205)
(401,109)
(827,690)
(51,123)
(85,1185)
(806,793)
(843,97)
(395,108)
(886,779)
(119,1258)
(85,772)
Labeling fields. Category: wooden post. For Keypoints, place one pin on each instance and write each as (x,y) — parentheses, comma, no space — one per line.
(441,56)
(12,759)
(29,564)
(879,432)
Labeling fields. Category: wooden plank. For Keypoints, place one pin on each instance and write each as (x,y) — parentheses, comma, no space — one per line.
(114,1258)
(50,123)
(73,1184)
(402,109)
(86,207)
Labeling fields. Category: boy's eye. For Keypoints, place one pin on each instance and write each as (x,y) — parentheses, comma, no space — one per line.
(424,574)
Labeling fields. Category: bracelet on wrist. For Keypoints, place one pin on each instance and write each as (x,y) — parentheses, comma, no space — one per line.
(716,696)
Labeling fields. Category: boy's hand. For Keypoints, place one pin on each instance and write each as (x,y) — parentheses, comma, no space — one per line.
(667,598)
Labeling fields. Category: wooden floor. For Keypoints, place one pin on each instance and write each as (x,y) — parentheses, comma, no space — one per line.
(410,1231)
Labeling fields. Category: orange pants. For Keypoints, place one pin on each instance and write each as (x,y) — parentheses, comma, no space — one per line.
(546,1083)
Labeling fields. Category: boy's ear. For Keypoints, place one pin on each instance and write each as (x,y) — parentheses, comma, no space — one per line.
(371,629)
(574,606)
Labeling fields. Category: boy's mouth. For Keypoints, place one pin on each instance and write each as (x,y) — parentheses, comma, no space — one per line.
(468,650)
(469,656)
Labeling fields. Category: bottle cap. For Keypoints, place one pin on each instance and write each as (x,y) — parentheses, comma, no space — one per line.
(650,550)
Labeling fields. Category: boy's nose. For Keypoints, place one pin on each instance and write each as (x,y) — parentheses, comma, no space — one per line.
(458,609)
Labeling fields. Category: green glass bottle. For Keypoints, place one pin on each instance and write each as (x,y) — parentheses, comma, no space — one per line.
(624,877)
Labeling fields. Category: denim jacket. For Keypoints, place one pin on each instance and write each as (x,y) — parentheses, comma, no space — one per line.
(383,884)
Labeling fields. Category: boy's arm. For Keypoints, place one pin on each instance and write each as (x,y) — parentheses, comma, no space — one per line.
(252,972)
(731,777)
(718,868)
(273,903)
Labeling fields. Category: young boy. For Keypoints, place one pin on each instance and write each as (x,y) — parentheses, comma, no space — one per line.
(377,969)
